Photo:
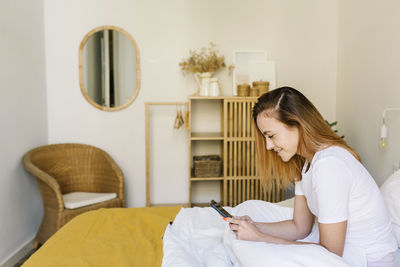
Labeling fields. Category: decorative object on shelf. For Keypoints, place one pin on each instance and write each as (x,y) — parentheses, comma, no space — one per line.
(207,166)
(254,91)
(262,86)
(214,89)
(243,90)
(203,64)
(252,66)
(383,128)
(203,80)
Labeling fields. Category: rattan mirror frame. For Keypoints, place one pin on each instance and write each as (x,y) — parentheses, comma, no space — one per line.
(81,80)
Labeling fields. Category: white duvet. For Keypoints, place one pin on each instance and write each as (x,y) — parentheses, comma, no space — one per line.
(199,237)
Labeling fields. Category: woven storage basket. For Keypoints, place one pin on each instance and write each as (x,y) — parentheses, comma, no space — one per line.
(243,89)
(262,86)
(207,166)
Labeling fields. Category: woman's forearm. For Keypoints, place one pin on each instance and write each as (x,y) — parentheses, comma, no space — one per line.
(283,229)
(263,237)
(278,240)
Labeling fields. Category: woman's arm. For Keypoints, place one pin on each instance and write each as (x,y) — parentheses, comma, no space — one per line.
(297,228)
(332,236)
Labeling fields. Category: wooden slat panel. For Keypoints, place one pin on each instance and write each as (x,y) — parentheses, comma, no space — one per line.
(244,119)
(234,159)
(252,194)
(243,173)
(239,118)
(240,154)
(230,193)
(239,159)
(234,193)
(244,189)
(255,189)
(246,159)
(253,158)
(246,182)
(248,126)
(239,191)
(252,127)
(230,119)
(234,119)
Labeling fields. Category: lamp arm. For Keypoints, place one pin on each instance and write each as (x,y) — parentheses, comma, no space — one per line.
(383,128)
(388,109)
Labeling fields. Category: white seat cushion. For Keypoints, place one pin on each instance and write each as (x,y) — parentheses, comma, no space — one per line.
(76,200)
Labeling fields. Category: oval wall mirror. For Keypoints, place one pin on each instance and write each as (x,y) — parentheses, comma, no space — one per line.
(109,69)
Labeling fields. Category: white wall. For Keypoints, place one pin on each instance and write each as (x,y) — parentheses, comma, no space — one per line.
(23,120)
(369,80)
(300,36)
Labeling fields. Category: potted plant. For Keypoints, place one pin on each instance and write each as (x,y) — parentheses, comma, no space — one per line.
(203,64)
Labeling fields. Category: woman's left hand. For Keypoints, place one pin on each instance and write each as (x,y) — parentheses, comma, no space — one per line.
(245,229)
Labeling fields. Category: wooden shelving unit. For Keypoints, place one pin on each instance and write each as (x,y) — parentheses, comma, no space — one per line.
(239,181)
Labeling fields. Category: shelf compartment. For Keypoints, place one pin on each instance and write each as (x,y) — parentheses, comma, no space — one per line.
(207,136)
(194,179)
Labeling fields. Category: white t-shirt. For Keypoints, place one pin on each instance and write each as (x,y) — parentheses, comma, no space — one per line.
(338,188)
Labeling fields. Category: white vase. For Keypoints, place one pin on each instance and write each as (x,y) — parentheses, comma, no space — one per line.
(203,80)
(214,88)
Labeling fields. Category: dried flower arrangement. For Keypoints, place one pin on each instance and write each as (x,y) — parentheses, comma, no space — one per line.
(205,60)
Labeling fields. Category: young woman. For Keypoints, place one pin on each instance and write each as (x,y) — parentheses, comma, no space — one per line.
(296,145)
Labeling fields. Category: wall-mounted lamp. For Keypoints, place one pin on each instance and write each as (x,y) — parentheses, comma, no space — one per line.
(383,128)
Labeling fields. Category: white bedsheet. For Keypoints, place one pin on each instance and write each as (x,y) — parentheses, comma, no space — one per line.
(199,237)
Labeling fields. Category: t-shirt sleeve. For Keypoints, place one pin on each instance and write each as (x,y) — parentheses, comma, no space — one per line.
(331,186)
(298,188)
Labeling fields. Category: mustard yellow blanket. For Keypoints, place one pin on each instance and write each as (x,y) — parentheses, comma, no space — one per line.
(108,237)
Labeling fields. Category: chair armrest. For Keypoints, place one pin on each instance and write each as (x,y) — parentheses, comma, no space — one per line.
(47,184)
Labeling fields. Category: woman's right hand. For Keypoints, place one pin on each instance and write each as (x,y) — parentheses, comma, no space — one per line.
(245,228)
(243,218)
(248,219)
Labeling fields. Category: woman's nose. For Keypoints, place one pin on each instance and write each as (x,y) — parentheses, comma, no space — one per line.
(269,144)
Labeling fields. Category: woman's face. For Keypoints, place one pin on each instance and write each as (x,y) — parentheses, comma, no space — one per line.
(282,139)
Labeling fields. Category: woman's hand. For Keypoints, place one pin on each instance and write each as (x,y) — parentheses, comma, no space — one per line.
(244,218)
(245,228)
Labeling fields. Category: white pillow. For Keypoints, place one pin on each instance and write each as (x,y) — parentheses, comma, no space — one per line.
(76,200)
(391,194)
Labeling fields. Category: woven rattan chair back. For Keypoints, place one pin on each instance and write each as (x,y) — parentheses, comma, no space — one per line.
(76,168)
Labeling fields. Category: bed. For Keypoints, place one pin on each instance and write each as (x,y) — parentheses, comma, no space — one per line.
(108,237)
(147,237)
(111,237)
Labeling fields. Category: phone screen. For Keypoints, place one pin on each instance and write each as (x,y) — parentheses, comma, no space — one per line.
(220,209)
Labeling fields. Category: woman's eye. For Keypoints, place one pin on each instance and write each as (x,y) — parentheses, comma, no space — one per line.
(270,136)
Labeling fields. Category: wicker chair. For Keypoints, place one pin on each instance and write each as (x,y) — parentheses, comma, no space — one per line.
(64,168)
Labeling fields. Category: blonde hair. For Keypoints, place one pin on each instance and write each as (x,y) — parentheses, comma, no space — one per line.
(292,108)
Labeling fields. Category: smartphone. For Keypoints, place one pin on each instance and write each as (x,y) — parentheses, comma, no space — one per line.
(220,209)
